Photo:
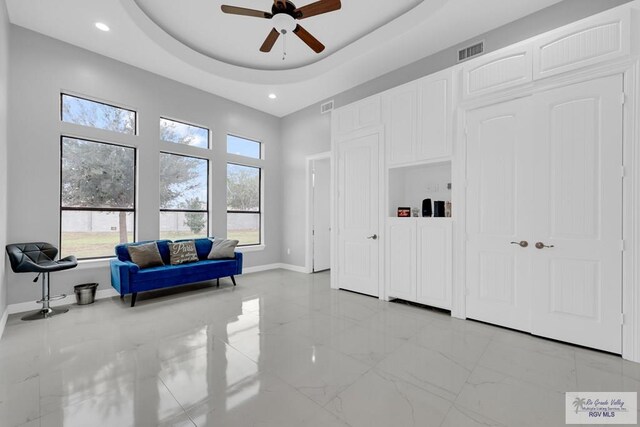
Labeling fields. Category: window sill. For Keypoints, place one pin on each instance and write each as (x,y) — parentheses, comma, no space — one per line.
(93,263)
(254,248)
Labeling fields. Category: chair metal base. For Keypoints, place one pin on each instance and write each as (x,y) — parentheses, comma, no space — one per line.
(45,313)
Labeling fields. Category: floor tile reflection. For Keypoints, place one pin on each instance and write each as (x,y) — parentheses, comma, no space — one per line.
(283,349)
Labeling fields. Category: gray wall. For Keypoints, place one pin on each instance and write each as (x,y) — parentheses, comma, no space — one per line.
(4,88)
(306,132)
(40,68)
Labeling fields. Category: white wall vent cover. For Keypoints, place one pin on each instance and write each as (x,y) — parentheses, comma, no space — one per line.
(326,107)
(470,51)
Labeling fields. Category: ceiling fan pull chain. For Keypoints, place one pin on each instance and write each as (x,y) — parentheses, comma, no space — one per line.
(284,46)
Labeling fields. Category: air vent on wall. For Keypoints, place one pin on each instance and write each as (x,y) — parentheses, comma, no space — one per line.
(470,51)
(326,107)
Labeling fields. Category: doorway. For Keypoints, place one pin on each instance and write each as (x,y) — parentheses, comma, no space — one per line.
(319,208)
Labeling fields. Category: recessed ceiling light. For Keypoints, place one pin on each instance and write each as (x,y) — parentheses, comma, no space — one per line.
(272,96)
(102,26)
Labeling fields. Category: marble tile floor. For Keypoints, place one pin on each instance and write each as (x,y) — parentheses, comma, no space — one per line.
(283,349)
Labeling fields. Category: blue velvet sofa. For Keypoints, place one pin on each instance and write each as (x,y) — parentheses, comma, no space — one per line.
(128,278)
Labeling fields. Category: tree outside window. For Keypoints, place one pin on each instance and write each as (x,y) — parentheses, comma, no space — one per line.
(97,197)
(243,204)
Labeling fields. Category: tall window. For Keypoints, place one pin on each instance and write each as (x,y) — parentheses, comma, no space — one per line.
(85,112)
(97,208)
(243,204)
(184,197)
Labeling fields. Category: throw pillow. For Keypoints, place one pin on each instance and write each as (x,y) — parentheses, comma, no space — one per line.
(223,249)
(182,252)
(145,255)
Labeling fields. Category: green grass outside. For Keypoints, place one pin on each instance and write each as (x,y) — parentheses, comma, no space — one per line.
(102,244)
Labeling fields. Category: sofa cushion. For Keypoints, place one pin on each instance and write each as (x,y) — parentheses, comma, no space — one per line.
(182,252)
(145,255)
(203,246)
(122,250)
(223,249)
(198,271)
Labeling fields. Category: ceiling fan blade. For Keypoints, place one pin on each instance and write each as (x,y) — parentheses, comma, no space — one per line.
(317,8)
(234,10)
(270,41)
(306,37)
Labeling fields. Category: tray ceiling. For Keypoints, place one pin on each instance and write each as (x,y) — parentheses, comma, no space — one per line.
(193,42)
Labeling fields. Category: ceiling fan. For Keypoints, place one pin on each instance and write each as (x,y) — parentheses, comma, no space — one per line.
(284,14)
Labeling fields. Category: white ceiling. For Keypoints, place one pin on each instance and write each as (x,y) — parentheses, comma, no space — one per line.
(365,39)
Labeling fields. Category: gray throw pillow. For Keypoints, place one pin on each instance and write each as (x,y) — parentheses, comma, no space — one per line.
(183,252)
(145,255)
(223,249)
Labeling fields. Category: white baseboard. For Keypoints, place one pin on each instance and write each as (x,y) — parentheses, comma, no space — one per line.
(258,268)
(3,321)
(295,268)
(69,299)
(275,266)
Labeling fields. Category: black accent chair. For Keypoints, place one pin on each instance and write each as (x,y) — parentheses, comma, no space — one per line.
(39,257)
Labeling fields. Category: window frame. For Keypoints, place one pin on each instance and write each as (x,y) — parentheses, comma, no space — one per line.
(84,98)
(103,209)
(260,209)
(260,144)
(182,122)
(206,210)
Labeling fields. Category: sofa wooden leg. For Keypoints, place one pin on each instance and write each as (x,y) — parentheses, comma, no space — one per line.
(121,296)
(133,298)
(218,282)
(233,279)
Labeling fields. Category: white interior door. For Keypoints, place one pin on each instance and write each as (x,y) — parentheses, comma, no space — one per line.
(498,213)
(358,213)
(321,227)
(577,282)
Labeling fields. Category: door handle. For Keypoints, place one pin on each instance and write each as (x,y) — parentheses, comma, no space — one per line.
(541,245)
(374,237)
(521,243)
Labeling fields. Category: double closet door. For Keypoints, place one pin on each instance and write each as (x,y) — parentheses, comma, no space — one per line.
(544,214)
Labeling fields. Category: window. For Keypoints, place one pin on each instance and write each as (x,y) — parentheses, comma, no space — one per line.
(98,115)
(184,200)
(182,133)
(244,147)
(243,203)
(97,200)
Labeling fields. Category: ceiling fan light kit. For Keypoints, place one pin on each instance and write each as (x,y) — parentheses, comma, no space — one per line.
(283,16)
(283,23)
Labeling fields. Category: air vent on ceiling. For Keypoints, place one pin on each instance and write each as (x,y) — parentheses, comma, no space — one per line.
(326,107)
(470,51)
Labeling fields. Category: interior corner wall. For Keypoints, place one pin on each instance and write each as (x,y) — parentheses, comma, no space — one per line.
(42,67)
(4,121)
(306,132)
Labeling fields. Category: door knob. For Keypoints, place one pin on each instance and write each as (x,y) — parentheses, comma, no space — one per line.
(374,237)
(541,245)
(521,243)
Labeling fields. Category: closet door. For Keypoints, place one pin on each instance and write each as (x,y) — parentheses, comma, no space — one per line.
(401,258)
(577,275)
(358,206)
(399,114)
(499,187)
